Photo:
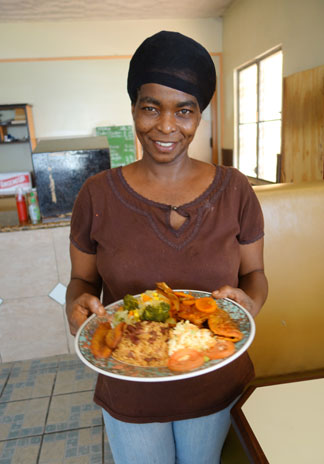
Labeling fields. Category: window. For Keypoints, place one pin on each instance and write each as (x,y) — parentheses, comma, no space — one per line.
(259,102)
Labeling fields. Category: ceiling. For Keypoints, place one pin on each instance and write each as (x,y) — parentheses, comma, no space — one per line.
(80,10)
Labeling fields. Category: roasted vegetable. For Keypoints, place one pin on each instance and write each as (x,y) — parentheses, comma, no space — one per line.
(223,326)
(98,346)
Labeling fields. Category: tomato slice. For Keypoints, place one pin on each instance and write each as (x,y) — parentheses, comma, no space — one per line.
(221,349)
(206,304)
(185,359)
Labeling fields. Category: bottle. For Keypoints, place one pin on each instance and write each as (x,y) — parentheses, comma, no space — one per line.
(21,207)
(33,207)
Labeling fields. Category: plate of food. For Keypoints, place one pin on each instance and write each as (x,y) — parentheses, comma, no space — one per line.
(164,335)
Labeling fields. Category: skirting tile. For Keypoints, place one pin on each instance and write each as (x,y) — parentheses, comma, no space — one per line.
(31,328)
(61,242)
(70,338)
(27,263)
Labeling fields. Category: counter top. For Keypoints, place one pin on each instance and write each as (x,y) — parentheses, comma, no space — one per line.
(9,223)
(9,218)
(45,225)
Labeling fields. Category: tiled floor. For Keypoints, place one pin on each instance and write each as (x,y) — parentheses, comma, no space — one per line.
(47,413)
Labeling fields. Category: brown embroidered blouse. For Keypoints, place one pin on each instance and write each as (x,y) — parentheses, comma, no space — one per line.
(136,246)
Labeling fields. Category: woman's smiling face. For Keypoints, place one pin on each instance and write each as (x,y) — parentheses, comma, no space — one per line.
(165,121)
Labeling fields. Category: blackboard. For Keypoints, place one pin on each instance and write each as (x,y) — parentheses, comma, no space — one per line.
(61,166)
(121,144)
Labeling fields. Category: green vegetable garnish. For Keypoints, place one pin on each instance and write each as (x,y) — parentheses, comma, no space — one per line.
(157,313)
(130,303)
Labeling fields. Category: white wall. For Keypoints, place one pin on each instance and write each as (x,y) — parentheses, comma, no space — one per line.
(72,97)
(251,27)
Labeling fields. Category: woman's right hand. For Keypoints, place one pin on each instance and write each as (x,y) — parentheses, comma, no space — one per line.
(84,289)
(81,308)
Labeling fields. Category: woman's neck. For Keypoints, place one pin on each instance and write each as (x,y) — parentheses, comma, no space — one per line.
(174,185)
(162,173)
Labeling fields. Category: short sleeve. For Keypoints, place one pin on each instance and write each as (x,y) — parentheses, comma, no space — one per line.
(81,221)
(251,216)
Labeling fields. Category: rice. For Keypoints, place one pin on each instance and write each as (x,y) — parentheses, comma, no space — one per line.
(187,335)
(144,344)
(150,344)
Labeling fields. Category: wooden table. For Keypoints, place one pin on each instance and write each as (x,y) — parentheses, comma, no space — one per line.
(282,422)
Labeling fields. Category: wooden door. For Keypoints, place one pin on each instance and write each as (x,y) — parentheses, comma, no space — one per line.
(303,126)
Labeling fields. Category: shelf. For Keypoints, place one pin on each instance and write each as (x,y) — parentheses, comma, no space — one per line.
(14,142)
(16,116)
(14,106)
(13,124)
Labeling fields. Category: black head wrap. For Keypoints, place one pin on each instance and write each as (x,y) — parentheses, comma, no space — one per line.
(176,61)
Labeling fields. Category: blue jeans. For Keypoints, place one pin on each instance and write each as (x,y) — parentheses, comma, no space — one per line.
(191,441)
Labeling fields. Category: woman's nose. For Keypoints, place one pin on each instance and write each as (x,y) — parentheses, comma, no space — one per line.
(166,123)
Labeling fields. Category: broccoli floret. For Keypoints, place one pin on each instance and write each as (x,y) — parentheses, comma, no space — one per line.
(130,303)
(158,313)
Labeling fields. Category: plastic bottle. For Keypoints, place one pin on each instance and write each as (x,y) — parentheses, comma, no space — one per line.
(21,207)
(33,207)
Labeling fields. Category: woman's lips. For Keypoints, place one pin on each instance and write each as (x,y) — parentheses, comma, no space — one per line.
(164,147)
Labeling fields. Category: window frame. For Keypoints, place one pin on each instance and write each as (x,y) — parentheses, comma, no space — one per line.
(256,61)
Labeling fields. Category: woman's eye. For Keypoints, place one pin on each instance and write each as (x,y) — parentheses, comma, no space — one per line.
(185,112)
(149,108)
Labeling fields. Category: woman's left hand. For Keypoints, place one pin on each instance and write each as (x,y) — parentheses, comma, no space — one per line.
(252,287)
(237,295)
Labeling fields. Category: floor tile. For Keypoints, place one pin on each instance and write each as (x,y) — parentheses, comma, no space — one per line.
(83,446)
(108,457)
(75,378)
(40,322)
(5,370)
(22,418)
(28,384)
(67,361)
(21,451)
(38,364)
(73,411)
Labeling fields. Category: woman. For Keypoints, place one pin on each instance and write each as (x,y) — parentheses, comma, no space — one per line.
(169,218)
